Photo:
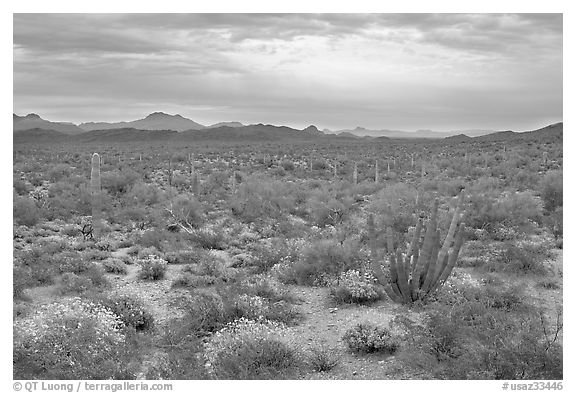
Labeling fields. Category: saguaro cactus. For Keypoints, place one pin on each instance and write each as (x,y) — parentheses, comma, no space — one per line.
(355,174)
(424,268)
(195,184)
(170,171)
(376,173)
(96,190)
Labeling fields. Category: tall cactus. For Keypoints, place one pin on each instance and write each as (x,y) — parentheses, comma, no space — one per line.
(195,184)
(376,173)
(96,191)
(424,268)
(355,174)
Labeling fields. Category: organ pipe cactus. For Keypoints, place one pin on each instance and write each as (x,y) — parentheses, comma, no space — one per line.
(96,191)
(424,268)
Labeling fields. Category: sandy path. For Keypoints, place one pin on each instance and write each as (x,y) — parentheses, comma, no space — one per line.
(324,323)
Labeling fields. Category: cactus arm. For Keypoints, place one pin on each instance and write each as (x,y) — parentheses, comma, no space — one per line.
(425,253)
(450,236)
(430,273)
(402,278)
(414,280)
(390,240)
(96,190)
(415,239)
(451,259)
(374,261)
(392,294)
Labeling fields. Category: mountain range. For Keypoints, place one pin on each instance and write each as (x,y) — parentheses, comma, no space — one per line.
(32,121)
(361,132)
(160,125)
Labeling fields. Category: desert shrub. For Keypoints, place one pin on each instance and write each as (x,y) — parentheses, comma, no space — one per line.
(278,251)
(367,337)
(119,181)
(551,190)
(105,245)
(248,349)
(153,238)
(20,281)
(184,210)
(320,165)
(520,258)
(260,297)
(70,283)
(210,270)
(131,312)
(71,230)
(287,165)
(261,198)
(322,358)
(144,194)
(216,184)
(548,283)
(555,223)
(21,187)
(396,205)
(58,172)
(322,261)
(78,339)
(42,263)
(185,256)
(96,255)
(114,266)
(512,210)
(355,287)
(209,239)
(327,209)
(25,211)
(475,340)
(189,280)
(183,360)
(152,267)
(144,252)
(71,196)
(204,313)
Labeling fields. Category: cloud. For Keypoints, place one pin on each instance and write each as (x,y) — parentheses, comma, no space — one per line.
(343,70)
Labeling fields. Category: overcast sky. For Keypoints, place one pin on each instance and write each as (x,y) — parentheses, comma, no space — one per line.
(395,71)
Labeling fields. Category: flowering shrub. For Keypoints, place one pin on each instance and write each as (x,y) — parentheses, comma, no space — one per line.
(131,311)
(367,337)
(152,267)
(70,283)
(114,266)
(355,287)
(75,340)
(321,261)
(250,306)
(248,349)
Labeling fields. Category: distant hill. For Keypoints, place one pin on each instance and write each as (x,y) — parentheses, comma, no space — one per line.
(346,134)
(458,138)
(33,121)
(313,130)
(156,121)
(39,135)
(226,124)
(429,134)
(125,135)
(260,132)
(554,131)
